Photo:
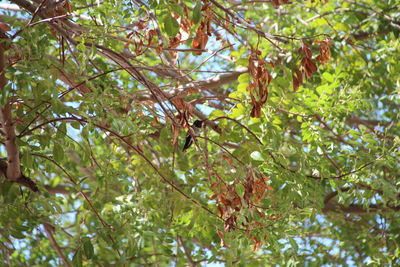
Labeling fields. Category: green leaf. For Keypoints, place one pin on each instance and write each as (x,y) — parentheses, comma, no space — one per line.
(293,243)
(81,46)
(242,87)
(76,125)
(154,3)
(18,235)
(58,106)
(171,25)
(327,76)
(58,152)
(85,133)
(88,247)
(27,159)
(332,183)
(244,78)
(178,9)
(197,12)
(242,62)
(77,259)
(5,93)
(240,189)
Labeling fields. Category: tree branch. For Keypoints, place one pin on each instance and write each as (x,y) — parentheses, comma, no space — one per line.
(59,189)
(187,252)
(369,123)
(156,93)
(211,83)
(22,180)
(49,232)
(13,172)
(13,168)
(359,209)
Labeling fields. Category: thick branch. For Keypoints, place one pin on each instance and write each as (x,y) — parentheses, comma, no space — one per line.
(22,180)
(25,5)
(3,47)
(13,169)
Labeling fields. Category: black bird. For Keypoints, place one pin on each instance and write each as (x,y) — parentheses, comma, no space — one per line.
(196,126)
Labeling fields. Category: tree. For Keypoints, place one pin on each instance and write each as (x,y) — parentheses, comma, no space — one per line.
(297,161)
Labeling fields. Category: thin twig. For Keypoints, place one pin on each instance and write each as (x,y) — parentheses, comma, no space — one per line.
(49,232)
(84,196)
(243,126)
(187,252)
(36,12)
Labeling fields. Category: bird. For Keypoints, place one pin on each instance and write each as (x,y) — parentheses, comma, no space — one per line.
(196,126)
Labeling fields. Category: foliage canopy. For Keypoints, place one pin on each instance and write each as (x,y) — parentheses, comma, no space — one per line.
(297,161)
